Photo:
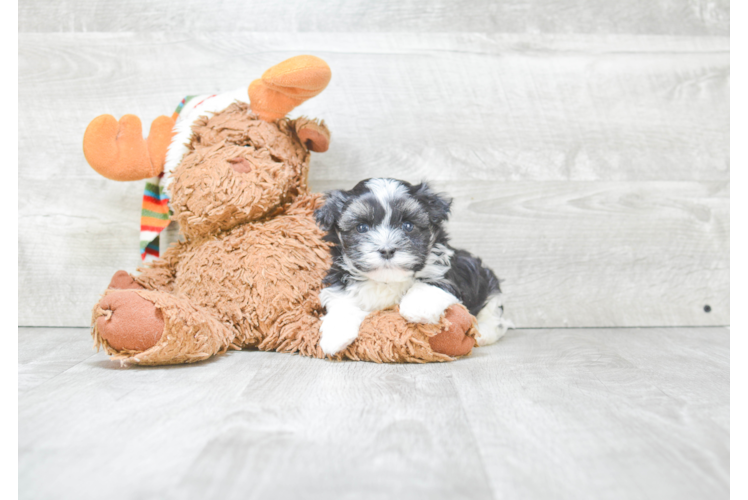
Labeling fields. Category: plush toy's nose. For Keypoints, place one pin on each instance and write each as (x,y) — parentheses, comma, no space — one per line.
(240,165)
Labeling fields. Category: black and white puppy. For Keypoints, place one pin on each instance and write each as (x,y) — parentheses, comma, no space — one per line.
(390,247)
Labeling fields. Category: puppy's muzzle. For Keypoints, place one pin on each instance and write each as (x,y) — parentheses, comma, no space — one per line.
(387,253)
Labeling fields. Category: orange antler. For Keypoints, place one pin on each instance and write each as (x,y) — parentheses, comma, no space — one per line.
(118,151)
(288,84)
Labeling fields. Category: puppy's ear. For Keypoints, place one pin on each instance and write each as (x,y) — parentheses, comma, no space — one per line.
(328,214)
(436,204)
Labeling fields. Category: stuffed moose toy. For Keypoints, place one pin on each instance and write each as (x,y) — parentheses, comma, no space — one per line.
(231,170)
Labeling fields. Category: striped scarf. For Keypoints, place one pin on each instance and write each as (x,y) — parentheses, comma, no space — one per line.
(154,217)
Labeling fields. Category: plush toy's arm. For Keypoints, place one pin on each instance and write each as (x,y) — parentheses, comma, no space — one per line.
(160,274)
(118,151)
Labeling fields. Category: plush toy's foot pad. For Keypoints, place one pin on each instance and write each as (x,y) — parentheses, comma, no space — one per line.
(453,341)
(129,322)
(123,281)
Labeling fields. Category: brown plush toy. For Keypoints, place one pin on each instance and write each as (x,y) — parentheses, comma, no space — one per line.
(248,269)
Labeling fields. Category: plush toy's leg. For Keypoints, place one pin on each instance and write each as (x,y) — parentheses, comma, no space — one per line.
(156,328)
(386,337)
(156,275)
(118,151)
(123,281)
(296,331)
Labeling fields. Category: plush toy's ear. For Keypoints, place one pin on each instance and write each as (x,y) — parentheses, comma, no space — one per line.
(331,211)
(286,85)
(436,204)
(314,134)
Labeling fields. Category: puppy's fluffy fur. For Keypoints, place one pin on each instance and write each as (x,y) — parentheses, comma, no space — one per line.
(390,247)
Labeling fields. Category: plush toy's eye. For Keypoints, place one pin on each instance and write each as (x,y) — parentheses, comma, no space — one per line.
(362,228)
(407,227)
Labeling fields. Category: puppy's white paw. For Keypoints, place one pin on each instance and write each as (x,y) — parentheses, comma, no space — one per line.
(339,329)
(425,303)
(491,323)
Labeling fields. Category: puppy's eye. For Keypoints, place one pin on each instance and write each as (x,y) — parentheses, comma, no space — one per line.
(407,227)
(362,228)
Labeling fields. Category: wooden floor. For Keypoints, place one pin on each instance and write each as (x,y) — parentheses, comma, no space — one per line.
(569,413)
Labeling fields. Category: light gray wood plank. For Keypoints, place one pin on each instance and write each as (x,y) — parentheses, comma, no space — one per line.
(492,111)
(401,431)
(73,236)
(594,413)
(695,17)
(602,413)
(449,107)
(45,353)
(235,427)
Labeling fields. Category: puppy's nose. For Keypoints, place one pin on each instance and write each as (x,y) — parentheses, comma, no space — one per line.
(387,253)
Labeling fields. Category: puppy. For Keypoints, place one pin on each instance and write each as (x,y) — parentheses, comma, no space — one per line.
(390,247)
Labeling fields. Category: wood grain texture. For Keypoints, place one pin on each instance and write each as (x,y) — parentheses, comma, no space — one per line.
(599,163)
(450,107)
(605,414)
(602,413)
(46,353)
(660,17)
